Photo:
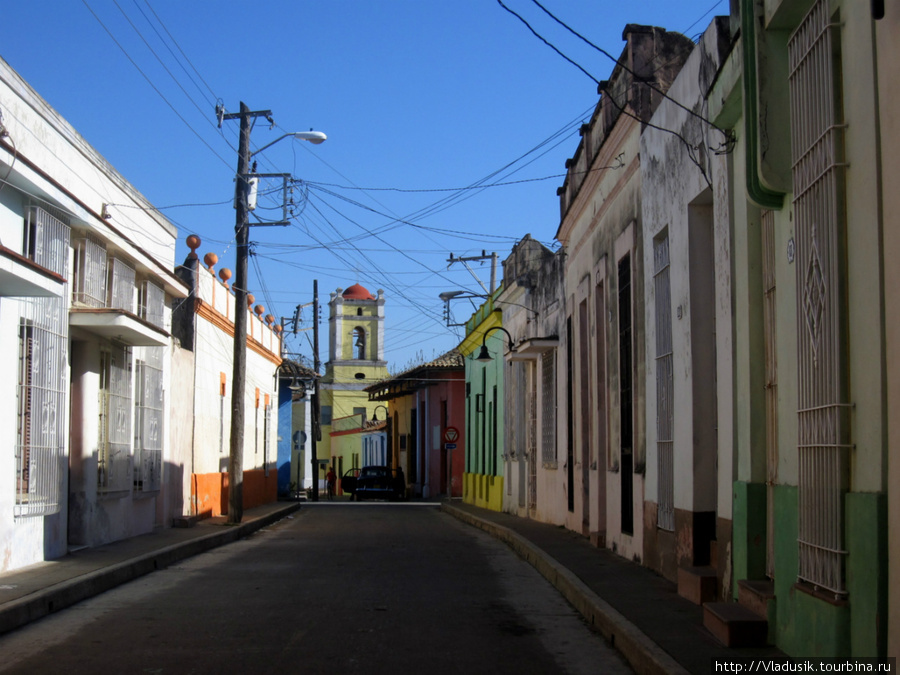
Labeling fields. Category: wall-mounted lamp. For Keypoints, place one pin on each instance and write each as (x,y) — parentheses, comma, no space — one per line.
(484,356)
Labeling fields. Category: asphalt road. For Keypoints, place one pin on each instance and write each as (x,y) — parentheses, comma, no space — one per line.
(349,588)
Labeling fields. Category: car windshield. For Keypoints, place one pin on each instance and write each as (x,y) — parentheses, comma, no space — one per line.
(374,471)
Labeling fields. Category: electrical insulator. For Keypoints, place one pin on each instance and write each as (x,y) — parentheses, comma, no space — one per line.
(252,190)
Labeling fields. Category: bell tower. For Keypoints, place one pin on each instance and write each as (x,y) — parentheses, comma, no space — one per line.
(355,332)
(355,361)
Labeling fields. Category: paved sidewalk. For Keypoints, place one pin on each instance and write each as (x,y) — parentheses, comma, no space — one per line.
(32,592)
(639,611)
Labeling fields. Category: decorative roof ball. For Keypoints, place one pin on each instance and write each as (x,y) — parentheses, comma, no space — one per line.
(250,300)
(270,319)
(210,259)
(225,275)
(277,328)
(193,242)
(259,309)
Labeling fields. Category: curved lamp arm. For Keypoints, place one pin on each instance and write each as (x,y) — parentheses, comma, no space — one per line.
(311,136)
(484,355)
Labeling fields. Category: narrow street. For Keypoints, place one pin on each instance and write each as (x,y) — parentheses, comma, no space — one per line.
(371,588)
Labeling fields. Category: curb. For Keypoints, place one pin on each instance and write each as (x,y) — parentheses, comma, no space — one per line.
(642,654)
(39,604)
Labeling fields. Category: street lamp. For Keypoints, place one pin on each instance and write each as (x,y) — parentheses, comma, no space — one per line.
(242,241)
(314,137)
(484,356)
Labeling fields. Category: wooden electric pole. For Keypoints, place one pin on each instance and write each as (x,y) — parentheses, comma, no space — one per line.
(316,425)
(238,378)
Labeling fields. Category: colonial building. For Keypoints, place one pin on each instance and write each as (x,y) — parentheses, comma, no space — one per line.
(688,335)
(602,465)
(86,291)
(533,308)
(427,401)
(355,361)
(483,476)
(204,327)
(808,200)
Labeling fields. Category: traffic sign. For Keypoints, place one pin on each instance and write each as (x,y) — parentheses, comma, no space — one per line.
(451,435)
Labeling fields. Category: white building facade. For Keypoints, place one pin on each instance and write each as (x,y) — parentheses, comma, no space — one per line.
(86,290)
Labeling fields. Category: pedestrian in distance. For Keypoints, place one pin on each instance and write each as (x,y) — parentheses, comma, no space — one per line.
(330,480)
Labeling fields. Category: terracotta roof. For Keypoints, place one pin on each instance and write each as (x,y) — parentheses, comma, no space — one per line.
(357,292)
(452,360)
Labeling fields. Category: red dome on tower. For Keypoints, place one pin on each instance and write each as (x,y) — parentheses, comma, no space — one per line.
(357,292)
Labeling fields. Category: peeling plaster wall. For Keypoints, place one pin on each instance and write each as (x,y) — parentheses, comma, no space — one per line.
(678,205)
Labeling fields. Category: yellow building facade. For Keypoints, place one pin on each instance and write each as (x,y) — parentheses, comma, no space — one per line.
(355,360)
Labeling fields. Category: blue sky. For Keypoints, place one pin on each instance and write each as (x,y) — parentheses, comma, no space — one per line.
(420,99)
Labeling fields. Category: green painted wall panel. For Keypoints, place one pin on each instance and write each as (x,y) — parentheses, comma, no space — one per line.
(749,532)
(867,572)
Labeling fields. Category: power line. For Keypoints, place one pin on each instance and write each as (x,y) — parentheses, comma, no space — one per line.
(621,108)
(624,66)
(155,88)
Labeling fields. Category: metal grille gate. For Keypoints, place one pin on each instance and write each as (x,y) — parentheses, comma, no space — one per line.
(822,414)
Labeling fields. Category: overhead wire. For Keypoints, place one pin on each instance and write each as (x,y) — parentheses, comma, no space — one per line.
(152,85)
(620,107)
(624,66)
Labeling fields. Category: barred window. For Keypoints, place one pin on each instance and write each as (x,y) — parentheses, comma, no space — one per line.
(148,412)
(665,396)
(90,275)
(121,285)
(115,462)
(548,407)
(41,403)
(151,303)
(823,406)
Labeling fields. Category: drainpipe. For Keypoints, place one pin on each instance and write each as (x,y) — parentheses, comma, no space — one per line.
(758,192)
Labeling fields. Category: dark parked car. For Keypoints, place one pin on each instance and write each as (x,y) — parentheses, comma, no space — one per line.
(348,481)
(379,482)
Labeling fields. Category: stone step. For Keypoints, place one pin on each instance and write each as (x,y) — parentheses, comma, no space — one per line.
(698,584)
(734,625)
(756,596)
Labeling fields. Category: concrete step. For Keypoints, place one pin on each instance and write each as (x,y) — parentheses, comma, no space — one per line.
(756,596)
(698,584)
(734,625)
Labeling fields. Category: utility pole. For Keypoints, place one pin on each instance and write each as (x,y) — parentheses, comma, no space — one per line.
(238,378)
(242,241)
(476,258)
(316,426)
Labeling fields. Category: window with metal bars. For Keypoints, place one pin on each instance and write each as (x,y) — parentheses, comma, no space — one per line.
(42,384)
(665,403)
(90,275)
(121,285)
(151,303)
(115,470)
(823,406)
(548,407)
(516,414)
(148,412)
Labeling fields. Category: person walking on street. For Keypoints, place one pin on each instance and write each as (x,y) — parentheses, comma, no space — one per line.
(330,480)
